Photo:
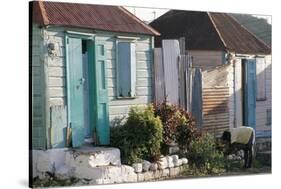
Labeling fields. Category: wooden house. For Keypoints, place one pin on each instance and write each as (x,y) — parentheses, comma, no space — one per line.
(236,68)
(88,65)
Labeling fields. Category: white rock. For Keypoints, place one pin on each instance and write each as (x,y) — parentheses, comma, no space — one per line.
(145,165)
(153,167)
(148,176)
(170,162)
(165,173)
(163,163)
(137,167)
(184,161)
(127,174)
(179,162)
(176,160)
(229,157)
(175,157)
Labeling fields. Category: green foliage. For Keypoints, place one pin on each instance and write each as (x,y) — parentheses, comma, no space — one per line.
(140,137)
(178,126)
(204,156)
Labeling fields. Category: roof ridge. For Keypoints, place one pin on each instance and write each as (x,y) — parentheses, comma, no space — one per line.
(218,32)
(43,12)
(138,20)
(249,31)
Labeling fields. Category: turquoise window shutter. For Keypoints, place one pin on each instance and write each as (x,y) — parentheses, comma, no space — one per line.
(126,80)
(102,126)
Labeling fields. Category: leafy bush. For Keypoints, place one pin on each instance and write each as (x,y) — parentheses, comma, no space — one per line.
(178,126)
(204,156)
(140,137)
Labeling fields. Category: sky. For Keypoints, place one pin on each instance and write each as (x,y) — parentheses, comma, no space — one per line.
(146,14)
(149,14)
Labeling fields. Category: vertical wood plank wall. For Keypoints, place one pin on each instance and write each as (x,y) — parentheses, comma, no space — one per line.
(171,51)
(159,82)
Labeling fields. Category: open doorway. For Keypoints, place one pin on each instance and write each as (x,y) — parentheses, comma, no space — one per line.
(86,92)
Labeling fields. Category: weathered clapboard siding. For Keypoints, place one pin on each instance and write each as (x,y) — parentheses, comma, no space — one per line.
(37,78)
(117,107)
(206,59)
(263,106)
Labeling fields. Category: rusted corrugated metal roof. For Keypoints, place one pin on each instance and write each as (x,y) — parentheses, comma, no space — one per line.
(100,17)
(195,26)
(236,37)
(208,31)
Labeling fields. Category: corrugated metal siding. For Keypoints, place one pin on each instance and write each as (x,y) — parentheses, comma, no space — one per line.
(218,99)
(215,109)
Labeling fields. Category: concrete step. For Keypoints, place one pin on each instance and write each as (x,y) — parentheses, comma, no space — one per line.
(74,161)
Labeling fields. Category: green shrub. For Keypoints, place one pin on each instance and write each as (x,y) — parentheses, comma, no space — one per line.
(140,137)
(204,156)
(178,126)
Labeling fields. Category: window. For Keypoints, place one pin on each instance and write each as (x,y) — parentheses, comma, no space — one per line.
(126,69)
(261,79)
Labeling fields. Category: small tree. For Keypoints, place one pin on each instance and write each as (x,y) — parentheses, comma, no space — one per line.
(140,137)
(178,126)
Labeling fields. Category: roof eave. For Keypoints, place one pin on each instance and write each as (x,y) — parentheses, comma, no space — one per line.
(152,30)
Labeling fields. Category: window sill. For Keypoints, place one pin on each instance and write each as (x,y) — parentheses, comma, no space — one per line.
(126,98)
(261,99)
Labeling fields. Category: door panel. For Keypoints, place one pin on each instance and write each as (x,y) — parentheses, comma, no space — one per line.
(102,126)
(250,92)
(76,90)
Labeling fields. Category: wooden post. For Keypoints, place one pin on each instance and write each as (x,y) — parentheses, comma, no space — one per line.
(197,97)
(159,80)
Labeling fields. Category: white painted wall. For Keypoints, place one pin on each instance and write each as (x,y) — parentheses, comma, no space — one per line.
(262,106)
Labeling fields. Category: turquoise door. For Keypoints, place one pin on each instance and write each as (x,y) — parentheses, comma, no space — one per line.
(249,92)
(75,90)
(102,115)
